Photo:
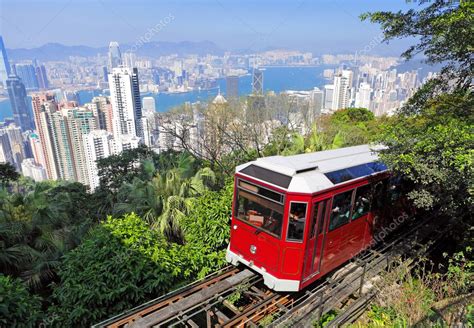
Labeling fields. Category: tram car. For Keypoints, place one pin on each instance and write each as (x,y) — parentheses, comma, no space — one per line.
(297,218)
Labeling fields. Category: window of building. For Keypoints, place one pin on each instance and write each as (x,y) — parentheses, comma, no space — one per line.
(296,222)
(341,210)
(362,202)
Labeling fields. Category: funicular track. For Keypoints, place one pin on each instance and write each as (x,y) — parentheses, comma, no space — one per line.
(206,302)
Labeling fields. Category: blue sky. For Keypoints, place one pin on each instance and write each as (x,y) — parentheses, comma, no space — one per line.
(319,26)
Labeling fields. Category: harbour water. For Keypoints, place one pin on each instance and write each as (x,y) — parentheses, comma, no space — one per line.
(276,79)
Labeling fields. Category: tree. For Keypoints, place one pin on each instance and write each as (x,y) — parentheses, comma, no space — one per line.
(164,200)
(430,141)
(8,174)
(122,264)
(18,308)
(445,33)
(435,150)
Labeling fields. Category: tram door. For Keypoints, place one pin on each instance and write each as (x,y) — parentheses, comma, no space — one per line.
(315,243)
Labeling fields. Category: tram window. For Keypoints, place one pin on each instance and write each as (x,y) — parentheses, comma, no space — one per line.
(314,220)
(361,202)
(259,212)
(378,200)
(296,222)
(341,210)
(394,188)
(322,208)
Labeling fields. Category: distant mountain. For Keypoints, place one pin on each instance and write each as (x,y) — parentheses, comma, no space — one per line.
(57,51)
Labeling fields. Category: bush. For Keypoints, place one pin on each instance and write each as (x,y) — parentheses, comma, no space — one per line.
(18,308)
(121,265)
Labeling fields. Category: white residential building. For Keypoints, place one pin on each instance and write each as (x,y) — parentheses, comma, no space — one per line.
(126,103)
(29,168)
(363,96)
(97,144)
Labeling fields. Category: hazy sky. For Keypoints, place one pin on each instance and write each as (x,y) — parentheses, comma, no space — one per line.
(319,26)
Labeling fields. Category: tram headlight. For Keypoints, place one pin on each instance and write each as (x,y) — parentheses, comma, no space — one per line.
(253,249)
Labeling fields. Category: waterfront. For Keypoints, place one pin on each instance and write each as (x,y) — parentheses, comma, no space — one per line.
(275,79)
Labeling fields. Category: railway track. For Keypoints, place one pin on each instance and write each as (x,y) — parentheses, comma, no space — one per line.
(235,297)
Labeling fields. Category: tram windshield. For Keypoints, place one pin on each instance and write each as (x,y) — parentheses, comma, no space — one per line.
(259,207)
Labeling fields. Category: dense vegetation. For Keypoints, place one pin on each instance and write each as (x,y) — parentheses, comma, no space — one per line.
(69,257)
(156,222)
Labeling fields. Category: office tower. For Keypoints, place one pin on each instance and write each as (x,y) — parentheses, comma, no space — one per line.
(41,77)
(27,74)
(328,95)
(126,103)
(105,74)
(4,64)
(6,155)
(18,100)
(97,145)
(363,96)
(149,104)
(80,121)
(232,87)
(129,59)
(115,56)
(342,87)
(33,170)
(257,82)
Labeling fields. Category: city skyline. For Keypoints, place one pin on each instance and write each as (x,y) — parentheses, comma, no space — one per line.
(317,27)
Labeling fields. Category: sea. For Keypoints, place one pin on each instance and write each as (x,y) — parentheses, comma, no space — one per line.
(275,79)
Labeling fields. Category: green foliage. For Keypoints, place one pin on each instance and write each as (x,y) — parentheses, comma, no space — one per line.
(208,222)
(434,149)
(38,227)
(460,273)
(380,316)
(325,319)
(352,115)
(444,31)
(8,173)
(140,163)
(123,264)
(18,308)
(344,128)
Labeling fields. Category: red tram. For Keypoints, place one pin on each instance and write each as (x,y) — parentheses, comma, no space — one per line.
(296,218)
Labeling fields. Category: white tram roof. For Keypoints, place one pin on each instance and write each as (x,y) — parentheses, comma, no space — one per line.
(313,172)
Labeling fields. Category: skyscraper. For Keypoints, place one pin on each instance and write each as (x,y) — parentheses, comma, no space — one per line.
(342,88)
(4,64)
(126,102)
(257,82)
(232,87)
(115,56)
(41,77)
(102,109)
(81,121)
(43,106)
(328,96)
(37,150)
(27,74)
(97,145)
(316,101)
(6,155)
(363,96)
(17,145)
(18,100)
